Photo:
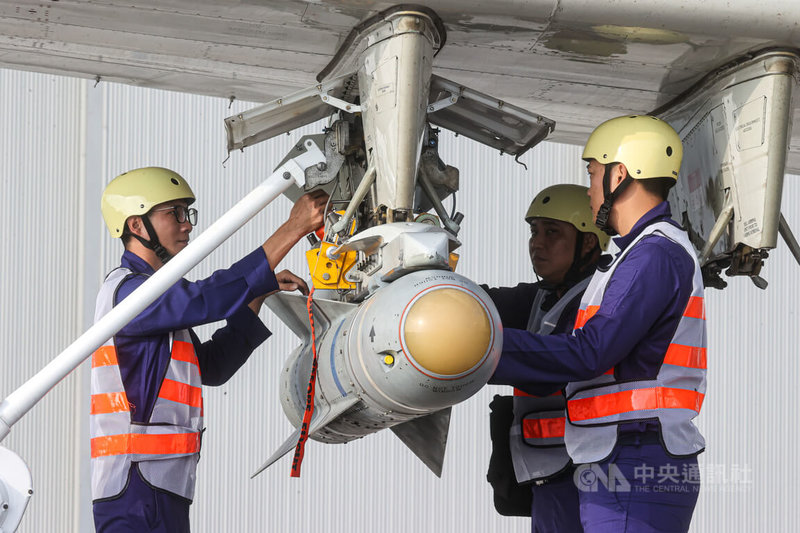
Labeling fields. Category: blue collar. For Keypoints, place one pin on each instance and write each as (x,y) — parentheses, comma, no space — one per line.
(135,263)
(657,214)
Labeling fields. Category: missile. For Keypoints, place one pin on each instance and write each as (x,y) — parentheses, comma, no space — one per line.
(418,345)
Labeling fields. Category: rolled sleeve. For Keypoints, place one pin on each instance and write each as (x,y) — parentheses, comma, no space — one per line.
(257,272)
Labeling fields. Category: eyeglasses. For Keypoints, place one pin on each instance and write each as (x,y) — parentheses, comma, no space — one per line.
(182,214)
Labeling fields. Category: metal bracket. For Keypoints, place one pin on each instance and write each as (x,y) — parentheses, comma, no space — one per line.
(361,192)
(441,104)
(716,232)
(340,104)
(450,224)
(296,167)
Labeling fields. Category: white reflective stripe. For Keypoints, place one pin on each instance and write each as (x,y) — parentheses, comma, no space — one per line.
(680,377)
(169,412)
(183,372)
(690,332)
(102,380)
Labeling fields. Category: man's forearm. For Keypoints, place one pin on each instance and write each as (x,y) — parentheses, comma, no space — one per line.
(279,244)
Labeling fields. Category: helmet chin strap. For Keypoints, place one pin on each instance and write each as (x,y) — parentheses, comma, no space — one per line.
(153,243)
(604,212)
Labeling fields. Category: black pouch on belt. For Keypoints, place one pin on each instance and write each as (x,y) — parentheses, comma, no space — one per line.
(510,498)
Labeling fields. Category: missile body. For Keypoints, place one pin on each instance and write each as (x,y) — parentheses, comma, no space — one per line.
(399,360)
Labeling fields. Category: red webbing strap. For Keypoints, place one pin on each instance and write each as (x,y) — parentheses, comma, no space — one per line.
(312,381)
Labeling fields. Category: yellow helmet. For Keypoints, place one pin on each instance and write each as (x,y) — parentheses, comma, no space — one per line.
(137,191)
(647,146)
(567,203)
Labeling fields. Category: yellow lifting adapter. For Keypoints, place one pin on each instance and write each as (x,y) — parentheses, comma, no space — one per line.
(453,261)
(329,273)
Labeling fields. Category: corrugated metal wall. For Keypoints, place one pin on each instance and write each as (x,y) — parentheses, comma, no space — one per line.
(40,277)
(63,139)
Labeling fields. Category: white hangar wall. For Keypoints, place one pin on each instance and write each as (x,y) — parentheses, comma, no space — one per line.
(63,139)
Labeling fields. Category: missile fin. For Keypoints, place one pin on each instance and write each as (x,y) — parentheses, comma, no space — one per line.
(284,448)
(427,438)
(331,309)
(324,414)
(293,310)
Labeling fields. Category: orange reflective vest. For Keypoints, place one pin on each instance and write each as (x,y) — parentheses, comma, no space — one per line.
(537,433)
(597,406)
(167,447)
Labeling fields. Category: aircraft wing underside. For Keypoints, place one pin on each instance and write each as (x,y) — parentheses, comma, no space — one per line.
(578,62)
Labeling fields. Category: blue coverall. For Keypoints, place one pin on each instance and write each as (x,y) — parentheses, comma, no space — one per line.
(144,354)
(630,332)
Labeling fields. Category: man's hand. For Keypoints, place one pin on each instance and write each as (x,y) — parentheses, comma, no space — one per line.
(307,214)
(289,282)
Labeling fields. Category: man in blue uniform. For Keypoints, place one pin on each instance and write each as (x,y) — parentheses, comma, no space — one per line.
(564,246)
(147,405)
(635,363)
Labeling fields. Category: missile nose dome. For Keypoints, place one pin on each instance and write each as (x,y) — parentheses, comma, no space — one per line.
(447,331)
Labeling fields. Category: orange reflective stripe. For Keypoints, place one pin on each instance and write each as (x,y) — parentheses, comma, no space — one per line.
(609,372)
(109,402)
(543,428)
(584,315)
(688,356)
(634,400)
(181,393)
(695,308)
(145,444)
(104,356)
(518,392)
(184,351)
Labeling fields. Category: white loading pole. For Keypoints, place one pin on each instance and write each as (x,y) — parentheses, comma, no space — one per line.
(19,402)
